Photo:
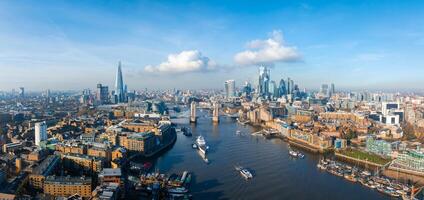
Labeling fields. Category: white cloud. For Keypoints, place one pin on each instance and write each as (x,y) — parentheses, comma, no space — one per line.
(267,51)
(185,61)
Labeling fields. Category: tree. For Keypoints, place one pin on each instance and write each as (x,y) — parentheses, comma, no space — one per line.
(408,131)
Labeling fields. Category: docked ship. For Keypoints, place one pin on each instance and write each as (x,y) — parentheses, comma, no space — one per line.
(244,172)
(295,154)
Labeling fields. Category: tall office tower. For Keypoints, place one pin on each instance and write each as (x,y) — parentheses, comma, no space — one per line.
(289,86)
(40,129)
(215,115)
(119,85)
(273,90)
(102,94)
(293,86)
(247,89)
(230,88)
(332,89)
(264,78)
(193,117)
(282,90)
(324,89)
(22,92)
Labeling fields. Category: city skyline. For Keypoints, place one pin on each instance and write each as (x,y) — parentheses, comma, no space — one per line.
(54,46)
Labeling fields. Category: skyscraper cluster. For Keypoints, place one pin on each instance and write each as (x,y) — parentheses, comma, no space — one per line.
(269,89)
(327,91)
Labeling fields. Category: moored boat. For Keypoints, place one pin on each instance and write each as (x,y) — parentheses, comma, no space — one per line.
(178,190)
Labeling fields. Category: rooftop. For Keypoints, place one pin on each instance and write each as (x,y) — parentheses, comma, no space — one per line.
(44,167)
(111,172)
(68,180)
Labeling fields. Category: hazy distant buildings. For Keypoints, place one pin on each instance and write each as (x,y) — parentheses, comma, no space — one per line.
(332,89)
(40,130)
(324,89)
(230,88)
(22,92)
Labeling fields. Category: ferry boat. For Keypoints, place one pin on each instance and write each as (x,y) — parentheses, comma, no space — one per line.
(244,172)
(202,147)
(200,141)
(202,150)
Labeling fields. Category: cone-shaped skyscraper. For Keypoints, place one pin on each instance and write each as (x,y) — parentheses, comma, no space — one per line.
(119,85)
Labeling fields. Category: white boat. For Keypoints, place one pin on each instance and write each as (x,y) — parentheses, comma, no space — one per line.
(321,166)
(366,173)
(244,172)
(202,147)
(293,153)
(202,150)
(201,141)
(194,146)
(238,132)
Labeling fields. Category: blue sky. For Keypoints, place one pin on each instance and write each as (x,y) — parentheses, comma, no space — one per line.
(200,44)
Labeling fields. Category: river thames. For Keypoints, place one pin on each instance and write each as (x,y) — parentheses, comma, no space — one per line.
(276,174)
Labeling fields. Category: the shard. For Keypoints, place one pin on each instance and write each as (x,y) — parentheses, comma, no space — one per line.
(119,85)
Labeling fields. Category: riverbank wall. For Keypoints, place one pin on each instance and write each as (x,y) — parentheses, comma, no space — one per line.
(404,175)
(359,162)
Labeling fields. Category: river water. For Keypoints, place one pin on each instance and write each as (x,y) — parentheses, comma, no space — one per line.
(276,174)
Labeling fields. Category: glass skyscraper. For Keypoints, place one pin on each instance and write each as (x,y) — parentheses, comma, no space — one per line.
(282,90)
(230,88)
(264,79)
(119,85)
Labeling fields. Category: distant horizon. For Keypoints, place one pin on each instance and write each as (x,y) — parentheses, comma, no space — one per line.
(93,89)
(200,44)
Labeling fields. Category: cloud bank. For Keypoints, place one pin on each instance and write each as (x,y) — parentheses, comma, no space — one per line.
(267,51)
(185,61)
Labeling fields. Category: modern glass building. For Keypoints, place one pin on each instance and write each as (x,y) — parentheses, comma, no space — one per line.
(264,79)
(119,86)
(230,88)
(379,147)
(411,159)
